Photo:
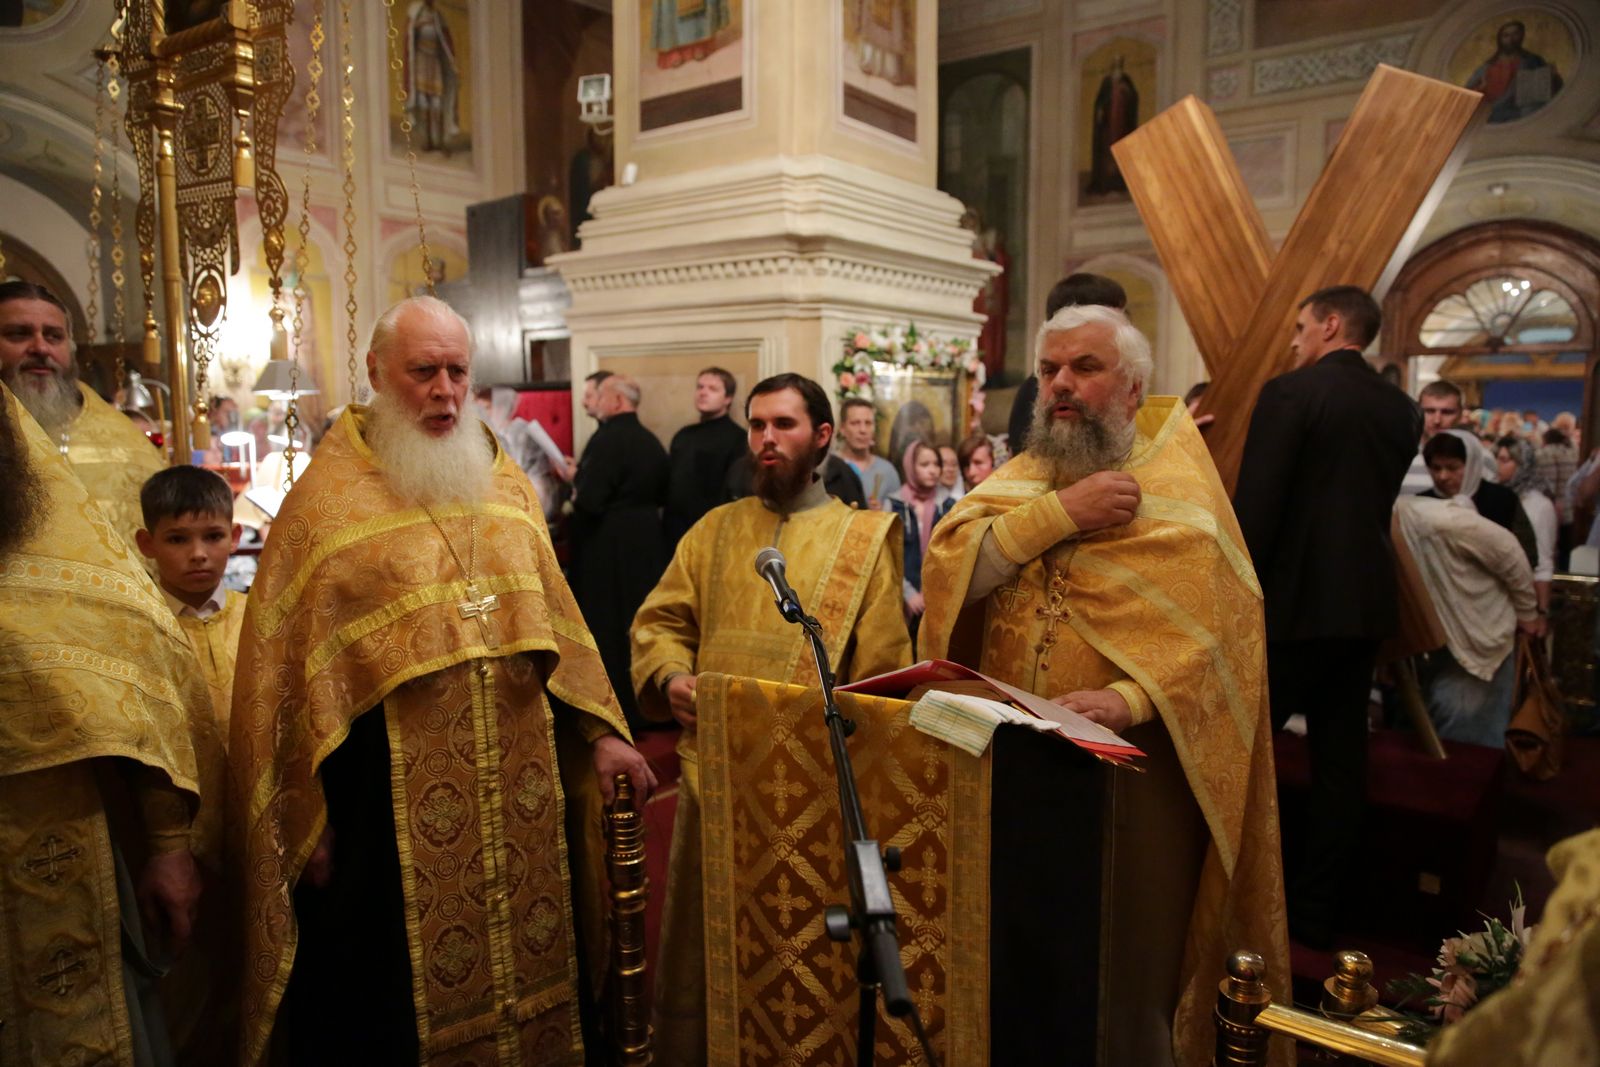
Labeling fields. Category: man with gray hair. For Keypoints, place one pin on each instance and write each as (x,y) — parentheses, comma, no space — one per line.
(39,364)
(1102,569)
(421,735)
(618,547)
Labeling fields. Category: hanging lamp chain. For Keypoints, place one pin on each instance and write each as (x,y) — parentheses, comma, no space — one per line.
(347,100)
(119,259)
(91,311)
(398,66)
(291,420)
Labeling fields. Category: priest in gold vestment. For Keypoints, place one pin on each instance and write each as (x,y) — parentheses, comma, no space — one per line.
(419,721)
(1103,568)
(110,455)
(97,773)
(712,612)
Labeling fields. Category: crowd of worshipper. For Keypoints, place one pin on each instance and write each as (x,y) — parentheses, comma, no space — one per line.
(341,782)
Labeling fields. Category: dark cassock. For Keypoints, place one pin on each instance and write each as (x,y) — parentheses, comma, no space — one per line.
(618,548)
(700,457)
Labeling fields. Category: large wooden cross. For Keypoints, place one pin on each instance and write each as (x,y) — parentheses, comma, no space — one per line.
(1396,156)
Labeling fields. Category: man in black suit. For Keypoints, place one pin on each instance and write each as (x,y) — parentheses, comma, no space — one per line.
(618,547)
(1328,446)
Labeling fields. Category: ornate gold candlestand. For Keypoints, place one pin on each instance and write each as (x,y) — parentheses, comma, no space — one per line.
(192,94)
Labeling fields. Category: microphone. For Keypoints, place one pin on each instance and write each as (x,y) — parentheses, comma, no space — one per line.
(770,565)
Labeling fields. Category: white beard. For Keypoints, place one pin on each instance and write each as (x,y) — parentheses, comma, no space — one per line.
(423,469)
(1098,441)
(53,401)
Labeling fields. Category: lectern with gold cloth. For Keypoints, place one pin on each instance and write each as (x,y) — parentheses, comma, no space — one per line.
(999,894)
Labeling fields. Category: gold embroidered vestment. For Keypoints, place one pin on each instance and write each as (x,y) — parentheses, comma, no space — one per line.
(712,612)
(94,675)
(113,459)
(360,602)
(1171,602)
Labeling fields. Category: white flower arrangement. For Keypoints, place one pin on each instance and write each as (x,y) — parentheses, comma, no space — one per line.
(904,347)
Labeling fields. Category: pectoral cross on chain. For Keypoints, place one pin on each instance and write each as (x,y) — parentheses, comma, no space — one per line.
(479,607)
(1054,610)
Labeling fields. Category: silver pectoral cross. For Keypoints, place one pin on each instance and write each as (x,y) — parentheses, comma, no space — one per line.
(475,606)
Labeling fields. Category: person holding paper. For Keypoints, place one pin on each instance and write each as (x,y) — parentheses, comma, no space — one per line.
(1103,568)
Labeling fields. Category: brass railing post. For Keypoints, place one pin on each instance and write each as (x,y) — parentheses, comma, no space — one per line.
(1240,998)
(629,1012)
(1349,991)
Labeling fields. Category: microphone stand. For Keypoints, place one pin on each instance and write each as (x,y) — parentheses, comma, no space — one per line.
(871,911)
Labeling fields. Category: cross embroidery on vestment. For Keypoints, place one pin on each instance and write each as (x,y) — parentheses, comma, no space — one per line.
(67,963)
(51,860)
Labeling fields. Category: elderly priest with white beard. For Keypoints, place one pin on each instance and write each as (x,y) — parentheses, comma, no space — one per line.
(422,731)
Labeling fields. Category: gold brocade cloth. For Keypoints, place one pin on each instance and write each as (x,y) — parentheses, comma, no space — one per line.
(779,989)
(359,601)
(92,666)
(1170,601)
(113,458)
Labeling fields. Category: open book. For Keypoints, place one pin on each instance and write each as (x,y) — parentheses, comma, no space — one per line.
(963,708)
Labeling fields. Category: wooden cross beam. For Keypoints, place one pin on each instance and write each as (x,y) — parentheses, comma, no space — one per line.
(1396,156)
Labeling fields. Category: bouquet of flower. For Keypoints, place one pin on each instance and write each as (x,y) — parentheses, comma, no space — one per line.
(904,348)
(1470,967)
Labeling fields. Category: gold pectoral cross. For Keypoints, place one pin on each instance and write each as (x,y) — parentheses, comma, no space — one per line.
(1054,610)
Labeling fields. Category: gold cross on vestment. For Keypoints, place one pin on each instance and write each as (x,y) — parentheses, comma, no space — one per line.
(67,963)
(50,861)
(1055,609)
(1011,595)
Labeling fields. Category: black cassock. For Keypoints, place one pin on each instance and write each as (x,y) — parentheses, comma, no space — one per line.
(618,549)
(701,455)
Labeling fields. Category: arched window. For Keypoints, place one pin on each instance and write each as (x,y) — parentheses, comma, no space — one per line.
(1506,310)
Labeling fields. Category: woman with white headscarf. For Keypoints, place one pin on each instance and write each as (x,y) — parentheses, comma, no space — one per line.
(1518,463)
(1482,588)
(1494,501)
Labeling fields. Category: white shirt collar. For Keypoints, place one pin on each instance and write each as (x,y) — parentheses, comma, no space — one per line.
(214,603)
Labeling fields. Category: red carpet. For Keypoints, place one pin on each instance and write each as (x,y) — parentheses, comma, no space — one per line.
(1448,842)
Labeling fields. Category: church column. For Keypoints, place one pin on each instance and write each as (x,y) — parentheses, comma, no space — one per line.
(785,161)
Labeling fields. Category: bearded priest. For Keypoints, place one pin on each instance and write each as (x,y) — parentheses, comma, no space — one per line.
(713,612)
(38,361)
(1103,568)
(422,731)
